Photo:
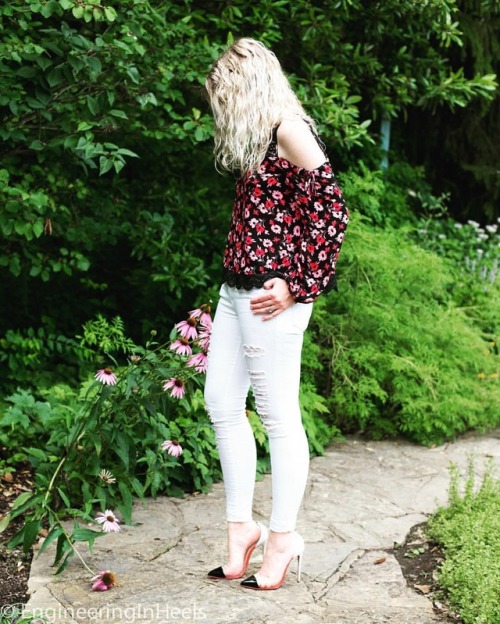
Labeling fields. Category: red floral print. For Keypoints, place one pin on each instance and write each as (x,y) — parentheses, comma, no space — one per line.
(288,222)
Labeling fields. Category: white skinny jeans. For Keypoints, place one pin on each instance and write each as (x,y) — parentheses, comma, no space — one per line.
(247,351)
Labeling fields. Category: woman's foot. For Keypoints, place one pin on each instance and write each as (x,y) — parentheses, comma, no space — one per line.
(243,539)
(281,549)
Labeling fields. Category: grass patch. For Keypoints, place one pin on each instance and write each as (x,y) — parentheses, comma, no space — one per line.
(469,532)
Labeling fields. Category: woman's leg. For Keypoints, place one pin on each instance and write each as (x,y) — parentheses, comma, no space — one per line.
(226,388)
(273,352)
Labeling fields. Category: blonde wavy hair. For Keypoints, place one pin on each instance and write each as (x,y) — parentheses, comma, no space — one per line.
(249,95)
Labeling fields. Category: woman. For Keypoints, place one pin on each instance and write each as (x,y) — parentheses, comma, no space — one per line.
(287,227)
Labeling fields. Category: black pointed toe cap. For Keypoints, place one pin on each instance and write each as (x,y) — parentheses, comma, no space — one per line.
(250,582)
(217,573)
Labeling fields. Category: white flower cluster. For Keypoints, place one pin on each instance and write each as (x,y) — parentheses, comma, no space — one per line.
(484,259)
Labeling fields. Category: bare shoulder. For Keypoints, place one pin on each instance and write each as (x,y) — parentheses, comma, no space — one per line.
(297,144)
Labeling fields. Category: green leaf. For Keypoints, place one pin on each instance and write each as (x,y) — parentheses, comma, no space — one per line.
(38,228)
(65,562)
(110,14)
(4,522)
(118,113)
(21,500)
(62,546)
(81,534)
(126,508)
(83,126)
(65,499)
(54,533)
(126,152)
(118,165)
(37,145)
(78,12)
(36,452)
(122,448)
(105,164)
(31,530)
(93,105)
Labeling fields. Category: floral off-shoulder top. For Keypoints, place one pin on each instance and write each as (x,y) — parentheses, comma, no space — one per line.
(287,222)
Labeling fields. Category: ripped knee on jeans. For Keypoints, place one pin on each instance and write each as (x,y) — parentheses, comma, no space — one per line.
(260,393)
(253,352)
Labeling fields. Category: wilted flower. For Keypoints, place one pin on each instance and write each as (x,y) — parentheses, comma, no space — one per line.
(103,581)
(106,376)
(172,447)
(187,329)
(135,359)
(181,346)
(199,362)
(106,477)
(176,387)
(202,313)
(108,520)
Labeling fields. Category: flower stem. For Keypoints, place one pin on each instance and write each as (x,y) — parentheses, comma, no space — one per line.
(73,547)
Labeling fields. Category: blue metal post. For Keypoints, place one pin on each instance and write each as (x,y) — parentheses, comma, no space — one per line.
(385,140)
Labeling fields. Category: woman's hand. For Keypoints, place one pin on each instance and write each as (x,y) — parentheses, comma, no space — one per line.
(277,299)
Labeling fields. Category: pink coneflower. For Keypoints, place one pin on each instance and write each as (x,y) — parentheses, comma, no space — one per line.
(176,387)
(187,329)
(202,313)
(172,447)
(106,376)
(103,581)
(204,339)
(108,520)
(199,362)
(181,346)
(207,324)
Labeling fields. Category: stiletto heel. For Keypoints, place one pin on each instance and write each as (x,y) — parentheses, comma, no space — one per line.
(218,573)
(252,583)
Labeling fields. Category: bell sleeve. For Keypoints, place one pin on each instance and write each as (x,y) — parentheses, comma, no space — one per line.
(321,213)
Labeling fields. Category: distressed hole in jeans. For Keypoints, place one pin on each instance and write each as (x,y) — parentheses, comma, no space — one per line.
(258,380)
(251,351)
(210,417)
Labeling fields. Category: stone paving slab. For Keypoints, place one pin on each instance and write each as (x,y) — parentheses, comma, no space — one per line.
(362,498)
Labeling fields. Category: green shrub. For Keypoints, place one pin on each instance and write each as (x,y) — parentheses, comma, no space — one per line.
(469,532)
(398,355)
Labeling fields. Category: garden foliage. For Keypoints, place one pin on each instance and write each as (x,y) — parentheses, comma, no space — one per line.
(468,530)
(399,351)
(112,218)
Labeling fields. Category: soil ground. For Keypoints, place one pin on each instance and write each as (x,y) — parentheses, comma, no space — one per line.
(14,564)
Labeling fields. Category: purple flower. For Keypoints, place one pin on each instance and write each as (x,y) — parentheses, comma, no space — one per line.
(204,340)
(176,386)
(187,329)
(103,581)
(202,313)
(172,447)
(106,376)
(199,362)
(108,520)
(181,346)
